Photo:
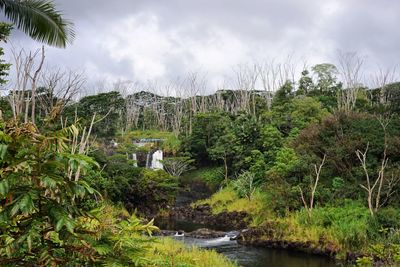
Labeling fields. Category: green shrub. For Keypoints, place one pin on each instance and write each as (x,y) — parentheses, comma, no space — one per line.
(244,185)
(348,223)
(388,218)
(212,176)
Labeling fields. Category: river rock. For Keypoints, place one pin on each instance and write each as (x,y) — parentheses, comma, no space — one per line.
(204,233)
(165,233)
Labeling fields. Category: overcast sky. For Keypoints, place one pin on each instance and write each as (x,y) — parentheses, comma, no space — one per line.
(141,40)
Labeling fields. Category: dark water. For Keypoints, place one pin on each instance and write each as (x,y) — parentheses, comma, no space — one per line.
(249,256)
(258,257)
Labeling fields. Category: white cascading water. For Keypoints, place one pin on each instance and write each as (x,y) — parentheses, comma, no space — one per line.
(134,157)
(219,240)
(156,159)
(148,160)
(178,234)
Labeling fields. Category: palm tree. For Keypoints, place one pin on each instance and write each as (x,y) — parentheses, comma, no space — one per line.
(40,20)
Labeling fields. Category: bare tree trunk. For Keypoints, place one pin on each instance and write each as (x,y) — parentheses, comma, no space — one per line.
(19,98)
(226,168)
(384,122)
(313,186)
(33,83)
(245,81)
(375,188)
(350,65)
(380,80)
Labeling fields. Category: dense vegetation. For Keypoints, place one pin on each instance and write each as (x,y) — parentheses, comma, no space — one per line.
(316,160)
(305,167)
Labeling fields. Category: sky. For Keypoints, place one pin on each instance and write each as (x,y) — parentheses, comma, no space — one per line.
(141,40)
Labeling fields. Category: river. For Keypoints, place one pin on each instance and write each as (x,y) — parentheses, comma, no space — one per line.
(245,255)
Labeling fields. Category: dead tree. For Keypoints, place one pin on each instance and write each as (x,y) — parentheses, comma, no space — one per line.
(194,84)
(246,77)
(313,187)
(178,106)
(272,76)
(59,89)
(22,96)
(380,80)
(350,68)
(132,106)
(18,94)
(374,187)
(34,79)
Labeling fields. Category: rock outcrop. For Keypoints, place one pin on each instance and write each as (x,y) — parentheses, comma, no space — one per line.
(202,215)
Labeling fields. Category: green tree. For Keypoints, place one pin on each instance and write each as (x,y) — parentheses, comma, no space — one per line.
(39,209)
(4,67)
(326,77)
(306,110)
(246,131)
(40,20)
(206,130)
(283,95)
(256,165)
(306,83)
(272,141)
(286,162)
(224,150)
(298,113)
(108,108)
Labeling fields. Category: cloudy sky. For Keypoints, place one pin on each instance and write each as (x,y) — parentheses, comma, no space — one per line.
(140,40)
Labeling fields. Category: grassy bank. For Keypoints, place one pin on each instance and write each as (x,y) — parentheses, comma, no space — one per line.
(168,252)
(212,176)
(227,200)
(342,229)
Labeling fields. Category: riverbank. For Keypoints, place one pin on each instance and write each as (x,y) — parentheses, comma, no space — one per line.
(346,233)
(226,243)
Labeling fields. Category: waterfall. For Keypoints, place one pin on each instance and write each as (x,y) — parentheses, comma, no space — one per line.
(148,160)
(134,157)
(156,160)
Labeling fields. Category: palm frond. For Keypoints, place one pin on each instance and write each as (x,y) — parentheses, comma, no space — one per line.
(40,20)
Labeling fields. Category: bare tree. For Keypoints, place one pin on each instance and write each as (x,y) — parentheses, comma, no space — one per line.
(350,68)
(79,146)
(34,79)
(246,77)
(178,106)
(381,79)
(313,187)
(176,166)
(374,186)
(59,89)
(194,84)
(23,90)
(132,105)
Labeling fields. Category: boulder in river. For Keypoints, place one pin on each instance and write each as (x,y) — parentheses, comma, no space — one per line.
(204,233)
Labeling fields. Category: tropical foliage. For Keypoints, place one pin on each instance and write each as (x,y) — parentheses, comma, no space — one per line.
(40,20)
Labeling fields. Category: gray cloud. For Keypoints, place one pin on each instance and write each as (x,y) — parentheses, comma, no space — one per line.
(141,40)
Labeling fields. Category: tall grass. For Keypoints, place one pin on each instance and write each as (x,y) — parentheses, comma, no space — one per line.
(170,253)
(227,200)
(212,176)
